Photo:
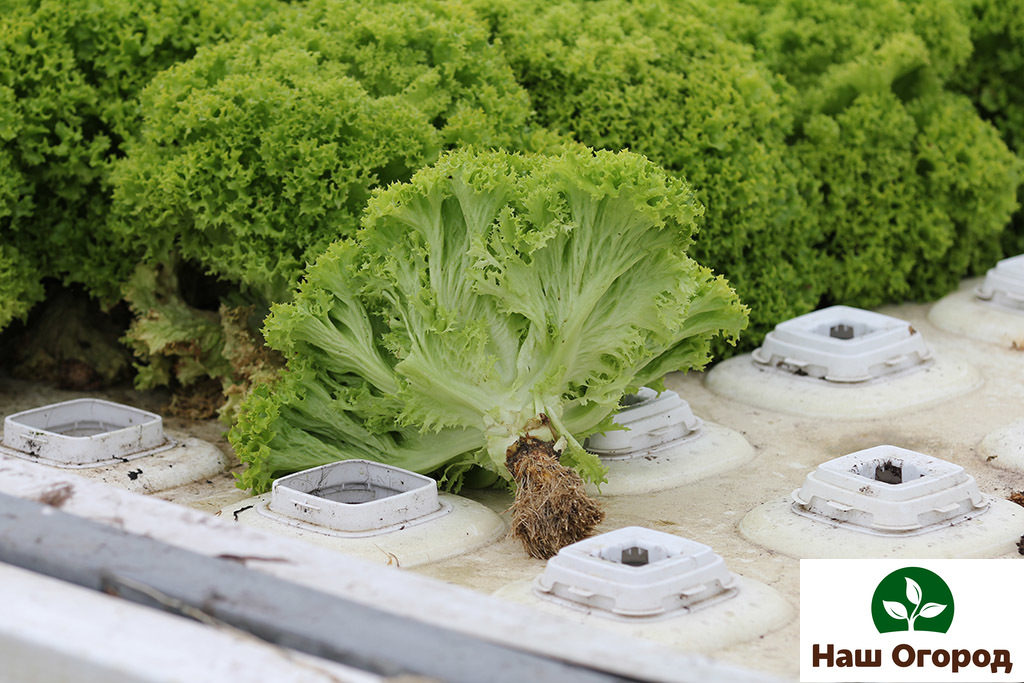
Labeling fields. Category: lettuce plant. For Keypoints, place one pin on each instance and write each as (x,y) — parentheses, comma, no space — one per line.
(660,79)
(991,77)
(915,194)
(70,73)
(914,42)
(255,157)
(259,152)
(20,284)
(915,189)
(492,300)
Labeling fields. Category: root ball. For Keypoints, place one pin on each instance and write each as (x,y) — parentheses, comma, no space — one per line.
(551,508)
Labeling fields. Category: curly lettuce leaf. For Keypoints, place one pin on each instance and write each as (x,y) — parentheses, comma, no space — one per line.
(494,295)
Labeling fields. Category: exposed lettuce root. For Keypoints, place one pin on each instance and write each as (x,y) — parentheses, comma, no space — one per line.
(551,508)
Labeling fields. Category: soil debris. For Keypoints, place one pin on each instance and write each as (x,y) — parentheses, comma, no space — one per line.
(1017,497)
(551,508)
(199,401)
(56,495)
(75,374)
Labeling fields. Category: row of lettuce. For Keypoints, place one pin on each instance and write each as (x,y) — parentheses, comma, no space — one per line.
(843,152)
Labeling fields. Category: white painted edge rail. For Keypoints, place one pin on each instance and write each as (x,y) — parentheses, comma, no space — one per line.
(408,595)
(57,631)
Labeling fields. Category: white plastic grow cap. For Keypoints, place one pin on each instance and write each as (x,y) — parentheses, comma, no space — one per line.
(636,572)
(651,420)
(83,431)
(889,490)
(1004,284)
(843,344)
(355,496)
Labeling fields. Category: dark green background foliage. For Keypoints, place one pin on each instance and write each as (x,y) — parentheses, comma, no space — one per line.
(255,154)
(847,152)
(259,152)
(915,188)
(20,285)
(994,75)
(805,40)
(69,72)
(657,78)
(994,79)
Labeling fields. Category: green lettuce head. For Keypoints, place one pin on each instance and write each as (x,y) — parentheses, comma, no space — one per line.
(494,297)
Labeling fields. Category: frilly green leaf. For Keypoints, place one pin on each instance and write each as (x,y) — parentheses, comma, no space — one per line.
(492,293)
